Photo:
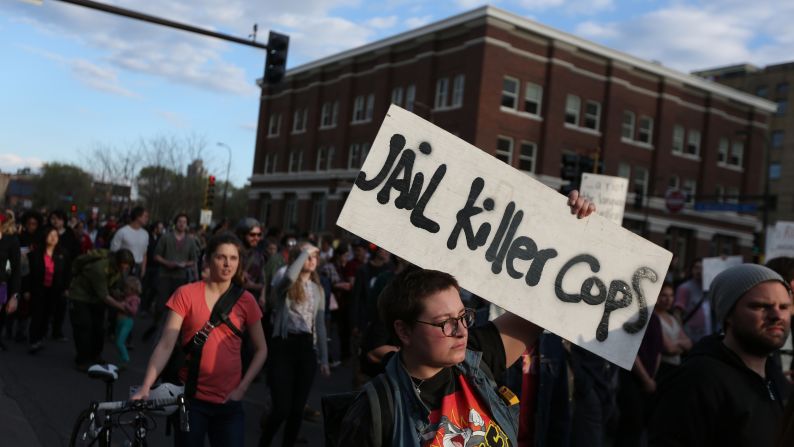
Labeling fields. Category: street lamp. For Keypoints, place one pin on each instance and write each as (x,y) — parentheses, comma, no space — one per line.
(226,185)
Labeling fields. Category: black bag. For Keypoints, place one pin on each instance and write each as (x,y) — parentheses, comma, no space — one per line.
(190,354)
(381,405)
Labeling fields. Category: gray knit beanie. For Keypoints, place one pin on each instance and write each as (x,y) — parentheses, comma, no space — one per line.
(732,283)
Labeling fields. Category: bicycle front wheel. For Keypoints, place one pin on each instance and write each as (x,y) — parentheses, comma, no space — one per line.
(87,431)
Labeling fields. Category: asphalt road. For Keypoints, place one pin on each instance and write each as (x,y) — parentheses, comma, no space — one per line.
(41,395)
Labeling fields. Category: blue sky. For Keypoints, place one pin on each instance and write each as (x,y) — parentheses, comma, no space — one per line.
(74,79)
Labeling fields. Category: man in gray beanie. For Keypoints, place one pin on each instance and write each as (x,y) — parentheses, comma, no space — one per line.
(727,392)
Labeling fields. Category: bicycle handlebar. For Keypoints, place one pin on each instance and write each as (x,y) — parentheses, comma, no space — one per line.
(145,405)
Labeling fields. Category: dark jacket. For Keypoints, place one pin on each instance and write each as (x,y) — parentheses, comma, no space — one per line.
(10,255)
(36,275)
(714,399)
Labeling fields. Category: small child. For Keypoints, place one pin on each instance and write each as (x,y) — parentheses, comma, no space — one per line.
(124,320)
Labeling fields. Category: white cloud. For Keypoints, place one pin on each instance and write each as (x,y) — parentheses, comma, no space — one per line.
(251,127)
(471,4)
(416,22)
(10,162)
(382,22)
(540,4)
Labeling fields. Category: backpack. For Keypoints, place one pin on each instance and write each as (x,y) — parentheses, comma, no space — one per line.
(190,353)
(381,405)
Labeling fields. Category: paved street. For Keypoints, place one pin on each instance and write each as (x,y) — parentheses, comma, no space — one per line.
(41,395)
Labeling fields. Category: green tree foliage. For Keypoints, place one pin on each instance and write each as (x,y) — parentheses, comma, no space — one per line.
(60,185)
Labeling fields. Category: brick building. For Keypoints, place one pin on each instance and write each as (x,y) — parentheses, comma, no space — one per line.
(772,82)
(546,102)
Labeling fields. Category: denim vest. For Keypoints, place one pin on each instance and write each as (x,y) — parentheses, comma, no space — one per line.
(411,414)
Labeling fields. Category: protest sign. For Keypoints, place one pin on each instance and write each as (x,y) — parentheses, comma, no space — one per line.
(780,240)
(713,266)
(608,193)
(441,203)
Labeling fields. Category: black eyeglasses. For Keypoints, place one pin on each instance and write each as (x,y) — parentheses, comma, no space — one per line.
(450,326)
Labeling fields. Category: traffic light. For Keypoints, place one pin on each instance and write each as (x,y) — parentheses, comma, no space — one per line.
(276,60)
(209,195)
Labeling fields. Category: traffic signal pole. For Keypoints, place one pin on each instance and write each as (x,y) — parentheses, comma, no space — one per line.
(163,22)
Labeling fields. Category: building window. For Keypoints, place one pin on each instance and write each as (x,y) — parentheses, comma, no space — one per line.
(321,160)
(358,109)
(397,96)
(442,85)
(290,212)
(627,128)
(693,143)
(299,120)
(592,114)
(504,150)
(674,182)
(645,129)
(774,171)
(533,97)
(678,139)
(572,106)
(737,154)
(510,93)
(776,139)
(353,156)
(526,157)
(624,170)
(270,163)
(410,97)
(329,157)
(761,91)
(640,184)
(319,202)
(722,150)
(370,107)
(732,195)
(782,107)
(457,90)
(328,114)
(689,187)
(781,90)
(274,125)
(295,161)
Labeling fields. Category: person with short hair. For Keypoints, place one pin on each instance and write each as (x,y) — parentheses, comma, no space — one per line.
(443,376)
(134,238)
(725,393)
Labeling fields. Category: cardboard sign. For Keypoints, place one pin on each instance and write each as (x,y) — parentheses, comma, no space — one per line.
(205,218)
(608,193)
(714,266)
(780,240)
(441,203)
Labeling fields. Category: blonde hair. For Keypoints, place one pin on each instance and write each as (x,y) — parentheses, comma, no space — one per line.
(296,291)
(9,225)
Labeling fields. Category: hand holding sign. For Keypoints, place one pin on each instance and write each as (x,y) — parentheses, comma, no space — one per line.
(435,200)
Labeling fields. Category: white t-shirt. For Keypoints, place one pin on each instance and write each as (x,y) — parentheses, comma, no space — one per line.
(136,241)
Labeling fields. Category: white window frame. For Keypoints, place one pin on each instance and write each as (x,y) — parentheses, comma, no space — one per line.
(640,179)
(736,156)
(329,157)
(513,95)
(678,139)
(270,163)
(523,158)
(299,118)
(328,114)
(295,161)
(595,117)
(642,133)
(370,107)
(358,109)
(530,91)
(573,105)
(410,97)
(692,141)
(442,93)
(627,128)
(397,96)
(674,182)
(319,163)
(458,87)
(509,153)
(723,149)
(690,188)
(274,125)
(353,156)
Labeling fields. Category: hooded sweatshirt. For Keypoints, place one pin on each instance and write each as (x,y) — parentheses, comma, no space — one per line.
(714,399)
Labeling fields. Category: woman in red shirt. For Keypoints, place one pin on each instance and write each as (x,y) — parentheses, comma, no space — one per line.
(215,409)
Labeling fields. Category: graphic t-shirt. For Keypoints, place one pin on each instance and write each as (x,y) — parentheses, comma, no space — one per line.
(220,370)
(458,416)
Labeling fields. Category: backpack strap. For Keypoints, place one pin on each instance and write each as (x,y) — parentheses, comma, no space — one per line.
(379,390)
(219,315)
